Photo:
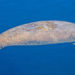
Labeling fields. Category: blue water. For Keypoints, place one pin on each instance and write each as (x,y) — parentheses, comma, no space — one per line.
(57,59)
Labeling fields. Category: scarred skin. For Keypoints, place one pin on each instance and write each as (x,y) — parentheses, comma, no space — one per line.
(39,33)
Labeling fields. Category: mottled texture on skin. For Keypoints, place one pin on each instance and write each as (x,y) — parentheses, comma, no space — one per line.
(41,32)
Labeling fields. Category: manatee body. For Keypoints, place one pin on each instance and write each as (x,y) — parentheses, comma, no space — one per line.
(39,33)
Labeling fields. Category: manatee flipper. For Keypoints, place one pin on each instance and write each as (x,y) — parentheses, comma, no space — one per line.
(73,43)
(2,42)
(1,47)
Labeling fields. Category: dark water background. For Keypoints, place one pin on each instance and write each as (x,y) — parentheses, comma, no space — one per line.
(54,59)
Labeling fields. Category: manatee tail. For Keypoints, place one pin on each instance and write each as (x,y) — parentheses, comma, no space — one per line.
(2,42)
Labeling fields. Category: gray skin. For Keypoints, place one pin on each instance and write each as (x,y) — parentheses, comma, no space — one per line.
(39,33)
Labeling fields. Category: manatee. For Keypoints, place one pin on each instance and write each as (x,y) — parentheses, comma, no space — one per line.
(39,33)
